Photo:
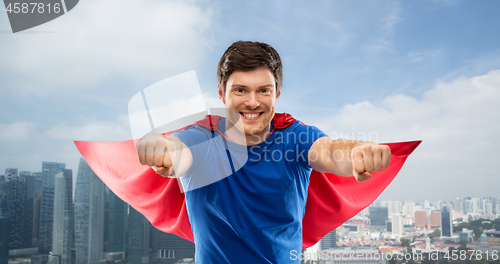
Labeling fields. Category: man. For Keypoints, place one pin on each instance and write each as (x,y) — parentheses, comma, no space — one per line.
(255,214)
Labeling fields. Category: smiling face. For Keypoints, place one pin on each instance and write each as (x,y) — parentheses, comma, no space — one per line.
(253,95)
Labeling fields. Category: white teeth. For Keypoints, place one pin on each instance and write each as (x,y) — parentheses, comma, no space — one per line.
(251,115)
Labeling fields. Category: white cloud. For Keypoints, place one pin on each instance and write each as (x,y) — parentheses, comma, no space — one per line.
(25,145)
(458,122)
(100,40)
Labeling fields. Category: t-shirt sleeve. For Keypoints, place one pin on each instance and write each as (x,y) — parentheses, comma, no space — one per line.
(306,136)
(195,138)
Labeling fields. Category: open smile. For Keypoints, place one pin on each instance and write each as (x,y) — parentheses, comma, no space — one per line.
(251,115)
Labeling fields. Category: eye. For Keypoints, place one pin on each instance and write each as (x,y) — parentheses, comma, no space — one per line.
(265,90)
(239,90)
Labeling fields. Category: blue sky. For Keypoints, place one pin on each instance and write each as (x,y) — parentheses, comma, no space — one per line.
(403,69)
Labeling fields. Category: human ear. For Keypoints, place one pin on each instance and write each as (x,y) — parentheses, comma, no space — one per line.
(221,94)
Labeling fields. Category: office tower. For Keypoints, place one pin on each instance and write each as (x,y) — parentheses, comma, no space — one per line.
(64,225)
(5,210)
(488,210)
(446,222)
(10,174)
(153,241)
(469,206)
(388,225)
(378,217)
(172,248)
(435,219)
(397,224)
(420,219)
(49,170)
(138,238)
(17,194)
(497,209)
(89,216)
(476,204)
(115,226)
(2,179)
(410,208)
(329,240)
(37,198)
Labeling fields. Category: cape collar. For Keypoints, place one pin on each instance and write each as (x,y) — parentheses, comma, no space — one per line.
(280,121)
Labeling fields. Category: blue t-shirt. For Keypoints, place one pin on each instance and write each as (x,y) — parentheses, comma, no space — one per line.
(246,206)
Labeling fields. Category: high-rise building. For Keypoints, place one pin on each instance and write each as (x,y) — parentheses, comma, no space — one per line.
(10,174)
(32,184)
(488,209)
(378,217)
(497,209)
(470,207)
(37,197)
(420,219)
(446,222)
(397,224)
(64,224)
(435,219)
(115,226)
(329,240)
(173,248)
(5,210)
(410,208)
(138,238)
(17,193)
(89,216)
(46,224)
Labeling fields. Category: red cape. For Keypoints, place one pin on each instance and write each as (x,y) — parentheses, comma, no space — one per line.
(331,199)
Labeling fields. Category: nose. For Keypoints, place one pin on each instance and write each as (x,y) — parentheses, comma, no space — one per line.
(252,101)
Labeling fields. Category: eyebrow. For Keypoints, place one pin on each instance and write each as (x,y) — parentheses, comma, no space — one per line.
(244,86)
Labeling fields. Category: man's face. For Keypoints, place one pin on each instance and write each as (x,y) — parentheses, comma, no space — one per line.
(253,95)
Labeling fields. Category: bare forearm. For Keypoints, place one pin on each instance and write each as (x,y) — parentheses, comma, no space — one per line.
(347,157)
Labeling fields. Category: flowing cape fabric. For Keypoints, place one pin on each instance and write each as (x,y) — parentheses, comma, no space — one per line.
(331,200)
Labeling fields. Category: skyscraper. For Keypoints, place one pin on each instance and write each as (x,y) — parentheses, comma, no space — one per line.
(115,225)
(49,170)
(329,240)
(446,222)
(435,219)
(89,215)
(397,224)
(138,238)
(420,219)
(378,217)
(10,174)
(172,248)
(5,209)
(64,225)
(17,194)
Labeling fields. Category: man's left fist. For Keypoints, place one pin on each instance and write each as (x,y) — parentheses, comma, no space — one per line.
(368,158)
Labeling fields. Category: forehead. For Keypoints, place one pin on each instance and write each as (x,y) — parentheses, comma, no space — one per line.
(261,76)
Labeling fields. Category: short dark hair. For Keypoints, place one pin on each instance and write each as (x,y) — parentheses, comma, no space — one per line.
(247,56)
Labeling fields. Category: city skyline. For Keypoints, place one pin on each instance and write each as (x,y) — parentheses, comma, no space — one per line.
(93,225)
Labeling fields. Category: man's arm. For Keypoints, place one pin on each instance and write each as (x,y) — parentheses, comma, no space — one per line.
(346,157)
(166,154)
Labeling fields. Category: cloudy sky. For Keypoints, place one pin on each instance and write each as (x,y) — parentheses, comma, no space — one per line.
(379,70)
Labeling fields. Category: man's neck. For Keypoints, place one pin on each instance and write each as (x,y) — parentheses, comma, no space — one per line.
(235,133)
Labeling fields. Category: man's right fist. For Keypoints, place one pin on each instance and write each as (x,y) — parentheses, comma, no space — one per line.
(153,151)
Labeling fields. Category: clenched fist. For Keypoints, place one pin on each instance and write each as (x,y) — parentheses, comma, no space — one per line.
(164,153)
(369,158)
